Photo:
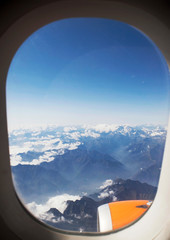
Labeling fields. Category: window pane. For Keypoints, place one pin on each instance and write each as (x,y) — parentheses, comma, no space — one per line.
(87,105)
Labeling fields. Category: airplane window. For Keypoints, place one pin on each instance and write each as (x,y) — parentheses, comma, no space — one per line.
(87,107)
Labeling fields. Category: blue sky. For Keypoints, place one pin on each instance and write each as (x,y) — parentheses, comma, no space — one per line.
(87,71)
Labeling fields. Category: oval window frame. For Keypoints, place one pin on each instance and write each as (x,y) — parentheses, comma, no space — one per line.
(23,223)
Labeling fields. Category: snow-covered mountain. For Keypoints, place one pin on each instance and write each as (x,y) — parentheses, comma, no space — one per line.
(73,161)
(81,214)
(31,147)
(131,151)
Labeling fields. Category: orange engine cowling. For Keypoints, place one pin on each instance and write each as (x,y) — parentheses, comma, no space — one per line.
(115,215)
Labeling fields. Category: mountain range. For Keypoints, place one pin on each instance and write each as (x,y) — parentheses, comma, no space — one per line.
(81,215)
(73,172)
(77,161)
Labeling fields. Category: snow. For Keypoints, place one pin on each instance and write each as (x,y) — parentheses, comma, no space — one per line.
(59,202)
(67,138)
(107,183)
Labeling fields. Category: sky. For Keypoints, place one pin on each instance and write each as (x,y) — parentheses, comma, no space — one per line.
(87,71)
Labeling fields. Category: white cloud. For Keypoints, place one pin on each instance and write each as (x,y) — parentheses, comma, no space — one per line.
(154,131)
(153,134)
(49,146)
(69,146)
(14,150)
(105,128)
(103,195)
(47,157)
(69,129)
(76,135)
(89,133)
(42,144)
(36,133)
(18,132)
(38,145)
(114,199)
(107,193)
(74,145)
(69,138)
(107,183)
(50,217)
(142,135)
(59,202)
(15,160)
(73,135)
(111,192)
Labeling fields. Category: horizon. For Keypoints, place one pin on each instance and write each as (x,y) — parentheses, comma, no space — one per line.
(83,126)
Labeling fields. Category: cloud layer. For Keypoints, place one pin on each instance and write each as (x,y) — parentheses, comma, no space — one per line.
(59,202)
(52,141)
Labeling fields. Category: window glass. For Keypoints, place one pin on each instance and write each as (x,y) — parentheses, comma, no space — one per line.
(87,106)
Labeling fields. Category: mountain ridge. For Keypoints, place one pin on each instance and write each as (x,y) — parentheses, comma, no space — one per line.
(82,214)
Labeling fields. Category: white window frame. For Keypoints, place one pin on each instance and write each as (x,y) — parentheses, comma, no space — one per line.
(155,224)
